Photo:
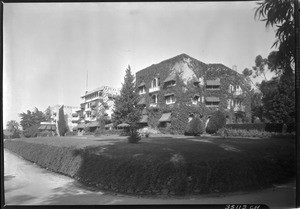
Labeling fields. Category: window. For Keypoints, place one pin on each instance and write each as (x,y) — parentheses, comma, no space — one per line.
(170,99)
(212,104)
(154,83)
(229,103)
(195,99)
(212,87)
(171,83)
(142,90)
(154,99)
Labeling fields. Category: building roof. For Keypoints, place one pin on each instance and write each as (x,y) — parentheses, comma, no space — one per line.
(168,94)
(123,125)
(171,77)
(109,125)
(212,99)
(166,117)
(142,101)
(213,82)
(144,119)
(142,84)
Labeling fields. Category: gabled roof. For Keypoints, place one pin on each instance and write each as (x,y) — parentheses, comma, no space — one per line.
(171,77)
(166,117)
(142,101)
(142,84)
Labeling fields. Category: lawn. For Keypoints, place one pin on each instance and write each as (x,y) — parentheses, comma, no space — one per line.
(178,165)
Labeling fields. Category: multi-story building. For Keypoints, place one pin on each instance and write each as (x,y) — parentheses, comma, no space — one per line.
(96,103)
(176,89)
(68,111)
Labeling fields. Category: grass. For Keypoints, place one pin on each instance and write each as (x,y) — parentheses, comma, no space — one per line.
(165,165)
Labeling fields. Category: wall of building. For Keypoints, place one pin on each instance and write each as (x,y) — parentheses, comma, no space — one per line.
(184,90)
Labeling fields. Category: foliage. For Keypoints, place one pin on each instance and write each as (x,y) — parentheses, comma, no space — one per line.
(184,92)
(126,108)
(134,137)
(48,114)
(280,14)
(71,133)
(13,127)
(46,133)
(278,100)
(166,165)
(61,123)
(32,131)
(101,132)
(216,122)
(195,127)
(31,118)
(30,122)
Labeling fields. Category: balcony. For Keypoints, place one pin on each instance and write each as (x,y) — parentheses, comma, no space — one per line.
(154,89)
(153,105)
(238,94)
(239,108)
(88,109)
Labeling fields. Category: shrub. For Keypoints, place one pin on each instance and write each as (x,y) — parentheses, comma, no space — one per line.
(216,122)
(71,133)
(32,131)
(100,132)
(247,126)
(195,127)
(134,137)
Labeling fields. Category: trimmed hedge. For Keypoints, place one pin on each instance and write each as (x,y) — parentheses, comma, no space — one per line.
(216,122)
(269,127)
(195,127)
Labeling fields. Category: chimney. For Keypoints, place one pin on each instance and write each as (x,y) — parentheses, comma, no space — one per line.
(234,67)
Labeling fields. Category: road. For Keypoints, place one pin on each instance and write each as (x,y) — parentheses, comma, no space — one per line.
(27,184)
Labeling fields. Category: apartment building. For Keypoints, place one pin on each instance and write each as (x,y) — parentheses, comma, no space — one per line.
(176,89)
(98,102)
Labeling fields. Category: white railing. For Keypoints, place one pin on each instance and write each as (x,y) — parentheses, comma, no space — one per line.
(153,105)
(154,89)
(238,93)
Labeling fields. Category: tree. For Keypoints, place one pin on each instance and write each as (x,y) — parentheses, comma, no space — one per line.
(13,127)
(48,114)
(61,123)
(126,108)
(30,122)
(216,122)
(280,14)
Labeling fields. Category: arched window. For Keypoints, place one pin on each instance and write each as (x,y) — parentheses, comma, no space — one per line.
(154,83)
(154,99)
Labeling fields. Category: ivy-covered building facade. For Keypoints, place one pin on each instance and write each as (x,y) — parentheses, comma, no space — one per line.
(175,90)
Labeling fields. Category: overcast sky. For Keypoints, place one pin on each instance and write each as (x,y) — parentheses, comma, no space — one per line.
(50,47)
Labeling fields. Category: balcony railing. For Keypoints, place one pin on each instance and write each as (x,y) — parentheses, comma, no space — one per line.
(154,89)
(239,108)
(238,93)
(153,105)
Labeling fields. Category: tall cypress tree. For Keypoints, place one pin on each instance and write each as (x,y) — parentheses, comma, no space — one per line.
(61,123)
(126,108)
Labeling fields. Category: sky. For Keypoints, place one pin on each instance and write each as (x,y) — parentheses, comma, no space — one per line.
(54,52)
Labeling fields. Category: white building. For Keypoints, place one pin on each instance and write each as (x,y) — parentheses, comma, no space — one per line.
(99,99)
(68,111)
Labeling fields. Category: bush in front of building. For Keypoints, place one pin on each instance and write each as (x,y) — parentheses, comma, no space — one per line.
(216,122)
(134,137)
(101,132)
(268,127)
(32,131)
(195,127)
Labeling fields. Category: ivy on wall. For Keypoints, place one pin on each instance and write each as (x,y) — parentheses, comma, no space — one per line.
(184,92)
